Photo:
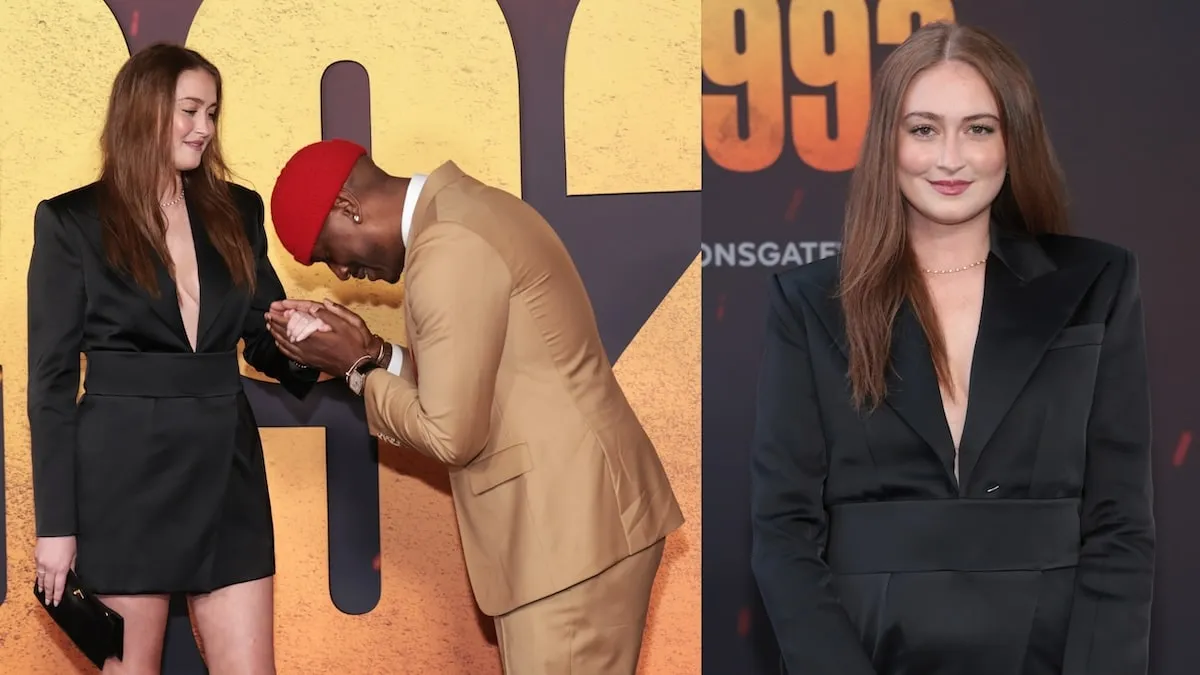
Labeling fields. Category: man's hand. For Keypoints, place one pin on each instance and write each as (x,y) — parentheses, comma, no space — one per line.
(307,306)
(382,350)
(334,351)
(354,320)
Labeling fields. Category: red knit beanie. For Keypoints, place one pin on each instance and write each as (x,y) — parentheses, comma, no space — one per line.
(305,191)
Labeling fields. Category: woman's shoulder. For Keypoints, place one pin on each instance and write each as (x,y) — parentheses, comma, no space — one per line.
(249,204)
(82,199)
(822,274)
(1069,249)
(244,197)
(1072,250)
(813,284)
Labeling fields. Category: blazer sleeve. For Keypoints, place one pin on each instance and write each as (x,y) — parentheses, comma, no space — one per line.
(259,348)
(459,289)
(788,518)
(1109,631)
(57,302)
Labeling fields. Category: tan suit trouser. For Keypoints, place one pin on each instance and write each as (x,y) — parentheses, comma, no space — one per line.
(592,628)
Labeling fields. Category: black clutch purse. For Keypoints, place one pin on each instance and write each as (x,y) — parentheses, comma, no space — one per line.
(98,631)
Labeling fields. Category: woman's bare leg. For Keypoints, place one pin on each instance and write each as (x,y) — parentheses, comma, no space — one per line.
(236,626)
(145,626)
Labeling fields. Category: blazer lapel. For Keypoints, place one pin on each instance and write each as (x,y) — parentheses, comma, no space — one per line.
(913,387)
(215,281)
(442,176)
(912,383)
(1027,300)
(166,305)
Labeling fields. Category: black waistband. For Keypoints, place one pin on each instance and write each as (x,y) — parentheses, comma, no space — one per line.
(968,535)
(162,375)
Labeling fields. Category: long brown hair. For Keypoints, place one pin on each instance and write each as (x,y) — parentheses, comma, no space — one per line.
(878,268)
(138,160)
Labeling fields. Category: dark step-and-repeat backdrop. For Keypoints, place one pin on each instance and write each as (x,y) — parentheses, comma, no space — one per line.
(786,92)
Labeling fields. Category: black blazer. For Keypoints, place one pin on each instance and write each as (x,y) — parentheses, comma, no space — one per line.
(137,348)
(873,560)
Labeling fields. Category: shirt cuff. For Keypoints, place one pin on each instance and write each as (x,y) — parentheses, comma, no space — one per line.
(397,361)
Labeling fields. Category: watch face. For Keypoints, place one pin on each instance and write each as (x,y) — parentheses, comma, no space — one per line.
(356,382)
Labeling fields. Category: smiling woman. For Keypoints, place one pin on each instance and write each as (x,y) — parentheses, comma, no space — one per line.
(950,142)
(951,457)
(145,164)
(154,481)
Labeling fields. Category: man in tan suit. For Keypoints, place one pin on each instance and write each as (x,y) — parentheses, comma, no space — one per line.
(562,502)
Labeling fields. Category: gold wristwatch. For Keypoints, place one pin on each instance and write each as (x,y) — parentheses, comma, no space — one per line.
(356,377)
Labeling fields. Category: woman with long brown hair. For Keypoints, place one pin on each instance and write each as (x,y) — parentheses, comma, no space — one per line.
(951,463)
(153,482)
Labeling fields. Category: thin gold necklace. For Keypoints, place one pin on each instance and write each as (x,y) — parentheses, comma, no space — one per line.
(977,263)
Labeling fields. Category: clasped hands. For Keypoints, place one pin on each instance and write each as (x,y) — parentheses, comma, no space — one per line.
(322,335)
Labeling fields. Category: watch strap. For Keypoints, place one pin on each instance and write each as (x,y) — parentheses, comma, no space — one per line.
(357,364)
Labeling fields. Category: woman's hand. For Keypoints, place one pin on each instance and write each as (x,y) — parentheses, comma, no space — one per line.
(301,324)
(346,343)
(54,556)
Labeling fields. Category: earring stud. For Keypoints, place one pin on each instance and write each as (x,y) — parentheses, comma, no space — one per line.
(357,218)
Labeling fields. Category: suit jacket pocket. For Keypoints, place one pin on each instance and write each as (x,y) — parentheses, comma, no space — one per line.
(499,467)
(1079,336)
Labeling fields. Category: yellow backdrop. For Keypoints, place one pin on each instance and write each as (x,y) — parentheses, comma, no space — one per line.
(632,125)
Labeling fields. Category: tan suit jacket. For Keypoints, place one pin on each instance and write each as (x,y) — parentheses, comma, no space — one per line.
(506,381)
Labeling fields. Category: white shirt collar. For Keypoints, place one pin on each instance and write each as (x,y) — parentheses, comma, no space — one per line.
(415,183)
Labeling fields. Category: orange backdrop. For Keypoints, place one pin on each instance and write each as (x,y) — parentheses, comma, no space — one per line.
(57,60)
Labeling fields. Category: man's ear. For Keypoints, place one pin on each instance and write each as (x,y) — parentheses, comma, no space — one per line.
(347,204)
